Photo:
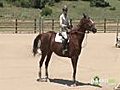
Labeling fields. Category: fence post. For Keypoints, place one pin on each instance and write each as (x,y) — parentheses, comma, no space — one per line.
(16,24)
(42,25)
(39,25)
(35,25)
(52,24)
(118,25)
(105,25)
(117,29)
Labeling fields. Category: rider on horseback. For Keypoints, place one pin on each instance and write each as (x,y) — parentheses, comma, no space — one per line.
(65,24)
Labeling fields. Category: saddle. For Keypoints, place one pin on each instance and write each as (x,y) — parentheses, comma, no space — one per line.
(63,38)
(60,37)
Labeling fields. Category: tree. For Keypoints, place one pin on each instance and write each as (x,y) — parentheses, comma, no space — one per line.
(1,4)
(38,3)
(99,3)
(46,11)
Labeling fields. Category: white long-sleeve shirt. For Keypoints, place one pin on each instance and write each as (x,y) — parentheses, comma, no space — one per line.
(64,22)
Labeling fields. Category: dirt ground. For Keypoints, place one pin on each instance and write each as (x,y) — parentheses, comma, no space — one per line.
(19,69)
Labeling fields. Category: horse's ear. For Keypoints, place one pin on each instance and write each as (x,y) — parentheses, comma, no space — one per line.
(84,15)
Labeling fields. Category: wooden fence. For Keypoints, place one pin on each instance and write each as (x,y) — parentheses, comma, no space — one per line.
(42,25)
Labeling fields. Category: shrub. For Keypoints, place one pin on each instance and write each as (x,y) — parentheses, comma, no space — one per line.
(112,8)
(46,11)
(51,2)
(17,3)
(39,3)
(1,4)
(22,3)
(73,0)
(57,0)
(99,3)
(25,3)
(85,0)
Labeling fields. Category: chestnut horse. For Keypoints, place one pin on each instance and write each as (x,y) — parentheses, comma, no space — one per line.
(48,45)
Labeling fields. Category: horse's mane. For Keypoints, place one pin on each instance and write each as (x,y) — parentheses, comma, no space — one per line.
(51,32)
(75,29)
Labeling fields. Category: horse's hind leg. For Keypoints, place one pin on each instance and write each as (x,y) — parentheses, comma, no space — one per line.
(40,64)
(46,64)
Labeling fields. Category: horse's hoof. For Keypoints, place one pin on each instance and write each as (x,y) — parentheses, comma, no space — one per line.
(74,85)
(46,80)
(39,80)
(43,80)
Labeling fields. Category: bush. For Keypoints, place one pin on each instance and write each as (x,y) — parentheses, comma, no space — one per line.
(23,3)
(1,4)
(112,8)
(71,0)
(46,11)
(17,3)
(99,3)
(85,0)
(51,2)
(39,3)
(57,0)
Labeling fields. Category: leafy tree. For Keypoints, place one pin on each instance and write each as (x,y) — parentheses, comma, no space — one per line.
(1,4)
(38,3)
(46,11)
(51,2)
(99,3)
(57,0)
(85,0)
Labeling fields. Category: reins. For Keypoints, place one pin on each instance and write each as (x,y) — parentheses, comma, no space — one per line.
(85,41)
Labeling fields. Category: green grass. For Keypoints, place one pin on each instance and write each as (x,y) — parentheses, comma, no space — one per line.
(10,11)
(76,8)
(20,13)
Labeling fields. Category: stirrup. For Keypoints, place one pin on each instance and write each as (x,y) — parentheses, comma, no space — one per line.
(64,51)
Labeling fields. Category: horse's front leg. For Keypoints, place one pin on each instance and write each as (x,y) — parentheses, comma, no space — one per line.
(74,64)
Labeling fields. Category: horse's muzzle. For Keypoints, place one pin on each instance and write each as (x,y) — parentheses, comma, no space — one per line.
(94,30)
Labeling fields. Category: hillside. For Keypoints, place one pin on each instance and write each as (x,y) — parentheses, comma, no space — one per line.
(76,8)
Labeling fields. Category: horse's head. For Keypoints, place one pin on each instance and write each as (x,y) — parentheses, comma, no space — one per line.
(88,24)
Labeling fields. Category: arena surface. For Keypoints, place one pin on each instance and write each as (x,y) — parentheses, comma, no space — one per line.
(19,69)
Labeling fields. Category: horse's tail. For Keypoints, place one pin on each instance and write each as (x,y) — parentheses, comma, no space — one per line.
(35,44)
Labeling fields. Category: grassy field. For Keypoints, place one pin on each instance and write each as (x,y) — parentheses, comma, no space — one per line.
(76,8)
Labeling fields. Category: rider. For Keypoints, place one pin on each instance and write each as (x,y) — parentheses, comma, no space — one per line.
(64,25)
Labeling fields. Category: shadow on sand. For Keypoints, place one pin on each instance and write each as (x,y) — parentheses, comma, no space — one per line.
(70,82)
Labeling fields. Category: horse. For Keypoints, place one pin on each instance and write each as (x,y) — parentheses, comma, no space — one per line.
(46,43)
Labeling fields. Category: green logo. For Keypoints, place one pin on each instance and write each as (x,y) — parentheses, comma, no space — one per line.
(96,80)
(111,81)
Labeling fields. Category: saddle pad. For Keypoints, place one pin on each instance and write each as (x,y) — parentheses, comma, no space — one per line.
(118,38)
(59,38)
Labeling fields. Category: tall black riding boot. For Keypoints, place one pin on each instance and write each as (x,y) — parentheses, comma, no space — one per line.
(65,46)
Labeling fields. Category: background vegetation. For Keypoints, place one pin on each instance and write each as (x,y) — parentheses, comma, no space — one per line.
(30,9)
